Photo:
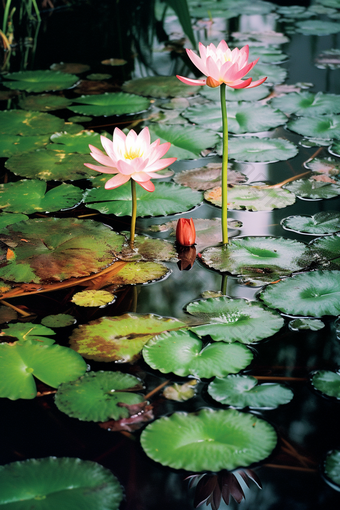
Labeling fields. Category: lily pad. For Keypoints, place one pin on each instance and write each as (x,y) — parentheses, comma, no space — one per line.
(61,320)
(53,249)
(274,73)
(310,324)
(260,150)
(29,332)
(317,27)
(322,126)
(51,165)
(259,256)
(328,59)
(159,86)
(327,382)
(19,122)
(39,81)
(93,298)
(207,177)
(208,440)
(252,198)
(181,392)
(29,196)
(265,38)
(44,103)
(70,67)
(113,103)
(16,144)
(52,483)
(267,55)
(253,94)
(78,142)
(322,223)
(244,391)
(52,364)
(187,142)
(307,104)
(148,249)
(135,273)
(329,248)
(332,469)
(7,314)
(8,219)
(96,396)
(119,338)
(329,167)
(312,294)
(234,320)
(312,189)
(167,198)
(183,353)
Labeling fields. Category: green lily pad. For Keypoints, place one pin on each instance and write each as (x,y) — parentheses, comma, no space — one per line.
(51,165)
(110,103)
(8,219)
(329,167)
(274,73)
(19,122)
(242,117)
(328,59)
(61,320)
(187,142)
(244,391)
(253,94)
(207,177)
(52,364)
(265,38)
(44,103)
(329,248)
(252,198)
(168,198)
(307,104)
(332,469)
(148,249)
(267,55)
(120,338)
(310,324)
(93,298)
(96,396)
(183,353)
(234,320)
(260,150)
(70,67)
(327,382)
(322,223)
(322,126)
(134,273)
(208,440)
(16,144)
(29,332)
(39,81)
(159,86)
(312,294)
(259,256)
(312,189)
(78,142)
(52,483)
(317,27)
(53,249)
(29,196)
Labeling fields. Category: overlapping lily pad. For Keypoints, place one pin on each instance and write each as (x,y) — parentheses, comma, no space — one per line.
(327,382)
(53,249)
(313,190)
(321,126)
(168,198)
(274,73)
(310,324)
(51,483)
(207,177)
(183,353)
(328,167)
(332,469)
(44,102)
(135,273)
(15,144)
(19,122)
(159,86)
(29,196)
(28,331)
(148,249)
(8,219)
(208,440)
(307,103)
(259,256)
(312,294)
(110,103)
(244,391)
(329,248)
(96,396)
(39,81)
(317,27)
(266,38)
(253,94)
(61,320)
(93,298)
(322,223)
(234,320)
(328,59)
(252,198)
(120,338)
(260,150)
(77,142)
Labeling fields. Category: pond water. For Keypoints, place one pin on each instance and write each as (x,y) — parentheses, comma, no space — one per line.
(308,426)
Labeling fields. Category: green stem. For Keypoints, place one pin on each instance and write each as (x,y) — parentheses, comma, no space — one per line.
(6,12)
(134,213)
(224,167)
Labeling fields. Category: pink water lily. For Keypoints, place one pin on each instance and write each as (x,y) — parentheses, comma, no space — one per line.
(222,65)
(131,156)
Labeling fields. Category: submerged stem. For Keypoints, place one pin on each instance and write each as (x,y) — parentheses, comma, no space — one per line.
(133,213)
(224,166)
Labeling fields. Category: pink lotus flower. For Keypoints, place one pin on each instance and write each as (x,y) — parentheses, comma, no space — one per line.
(221,65)
(131,157)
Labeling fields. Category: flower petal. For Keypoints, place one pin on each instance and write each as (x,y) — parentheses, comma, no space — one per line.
(198,62)
(100,157)
(240,84)
(108,146)
(188,81)
(148,185)
(116,181)
(102,169)
(160,164)
(158,152)
(213,70)
(256,83)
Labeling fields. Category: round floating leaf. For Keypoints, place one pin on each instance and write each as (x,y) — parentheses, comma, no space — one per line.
(312,189)
(259,256)
(39,81)
(18,122)
(267,55)
(311,324)
(329,167)
(322,223)
(119,338)
(265,38)
(148,249)
(167,199)
(244,391)
(252,198)
(181,392)
(51,165)
(29,332)
(7,314)
(322,126)
(317,27)
(52,364)
(92,298)
(234,320)
(113,103)
(335,149)
(182,353)
(332,469)
(253,94)
(328,59)
(312,294)
(96,396)
(327,382)
(61,320)
(260,150)
(207,177)
(44,103)
(187,142)
(274,74)
(78,142)
(329,248)
(51,484)
(29,196)
(68,67)
(208,440)
(13,144)
(159,86)
(307,104)
(140,272)
(53,249)
(8,219)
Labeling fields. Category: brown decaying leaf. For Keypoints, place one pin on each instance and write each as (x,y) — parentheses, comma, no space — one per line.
(139,414)
(207,177)
(71,68)
(89,87)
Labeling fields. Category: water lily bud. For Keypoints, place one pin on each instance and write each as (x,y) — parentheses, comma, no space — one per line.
(185,232)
